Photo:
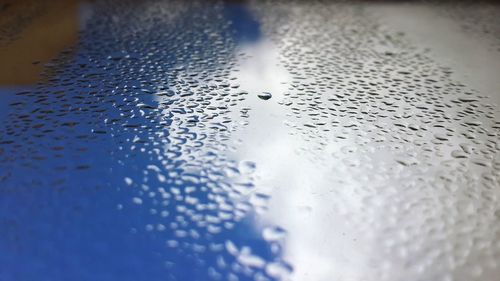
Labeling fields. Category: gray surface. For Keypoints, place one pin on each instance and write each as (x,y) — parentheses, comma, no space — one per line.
(396,179)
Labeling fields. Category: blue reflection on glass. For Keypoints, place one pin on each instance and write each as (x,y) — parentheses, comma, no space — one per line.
(65,210)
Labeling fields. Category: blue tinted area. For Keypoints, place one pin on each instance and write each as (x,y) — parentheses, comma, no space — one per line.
(85,153)
(246,28)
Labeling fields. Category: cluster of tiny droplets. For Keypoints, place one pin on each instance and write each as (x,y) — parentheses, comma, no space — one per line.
(418,149)
(149,88)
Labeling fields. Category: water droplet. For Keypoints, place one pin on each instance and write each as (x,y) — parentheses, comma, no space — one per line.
(265,95)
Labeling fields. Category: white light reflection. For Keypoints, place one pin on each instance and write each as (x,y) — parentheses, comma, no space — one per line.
(319,244)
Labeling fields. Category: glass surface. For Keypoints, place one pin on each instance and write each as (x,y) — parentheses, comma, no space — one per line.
(316,141)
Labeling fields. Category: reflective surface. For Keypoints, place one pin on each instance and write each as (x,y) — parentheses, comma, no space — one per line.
(249,141)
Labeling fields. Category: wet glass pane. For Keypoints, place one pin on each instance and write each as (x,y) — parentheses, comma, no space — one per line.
(249,140)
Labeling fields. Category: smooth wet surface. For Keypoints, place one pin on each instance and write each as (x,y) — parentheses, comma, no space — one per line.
(146,140)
